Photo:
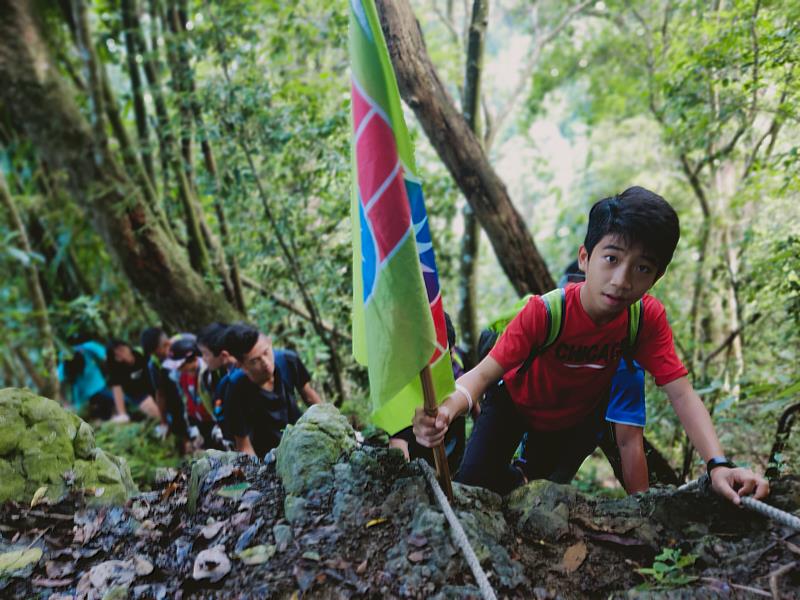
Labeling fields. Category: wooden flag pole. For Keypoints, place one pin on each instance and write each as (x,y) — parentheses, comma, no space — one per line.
(439,455)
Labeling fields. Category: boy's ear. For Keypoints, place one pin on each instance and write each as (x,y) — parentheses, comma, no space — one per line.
(583,258)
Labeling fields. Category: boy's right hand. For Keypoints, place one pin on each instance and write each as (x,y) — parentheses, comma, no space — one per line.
(430,431)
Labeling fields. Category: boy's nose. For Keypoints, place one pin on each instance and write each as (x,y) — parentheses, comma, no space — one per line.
(621,278)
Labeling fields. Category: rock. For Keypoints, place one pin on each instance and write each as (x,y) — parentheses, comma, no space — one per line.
(294,509)
(42,444)
(12,484)
(283,536)
(84,445)
(309,449)
(543,508)
(212,564)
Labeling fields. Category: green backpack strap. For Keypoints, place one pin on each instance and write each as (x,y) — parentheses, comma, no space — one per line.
(635,314)
(554,303)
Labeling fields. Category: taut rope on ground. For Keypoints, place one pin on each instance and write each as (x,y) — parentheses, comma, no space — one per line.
(459,537)
(780,516)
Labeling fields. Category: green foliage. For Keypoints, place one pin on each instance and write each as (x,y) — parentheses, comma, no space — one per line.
(669,570)
(142,449)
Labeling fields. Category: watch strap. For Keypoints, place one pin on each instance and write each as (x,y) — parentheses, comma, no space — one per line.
(719,461)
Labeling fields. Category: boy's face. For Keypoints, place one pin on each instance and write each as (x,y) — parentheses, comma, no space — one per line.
(162,350)
(259,363)
(213,362)
(617,275)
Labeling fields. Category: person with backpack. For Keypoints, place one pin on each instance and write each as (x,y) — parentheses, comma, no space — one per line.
(625,414)
(130,382)
(558,395)
(220,365)
(84,382)
(260,400)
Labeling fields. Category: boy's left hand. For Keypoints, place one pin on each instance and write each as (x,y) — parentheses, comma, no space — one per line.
(734,483)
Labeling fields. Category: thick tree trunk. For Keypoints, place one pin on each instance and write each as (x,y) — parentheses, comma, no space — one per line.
(461,151)
(35,96)
(48,385)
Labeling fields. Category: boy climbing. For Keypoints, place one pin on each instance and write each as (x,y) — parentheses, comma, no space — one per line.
(559,399)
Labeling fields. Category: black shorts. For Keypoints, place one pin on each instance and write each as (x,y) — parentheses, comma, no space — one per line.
(554,455)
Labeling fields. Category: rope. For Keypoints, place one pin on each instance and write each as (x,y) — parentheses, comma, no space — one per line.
(459,537)
(780,516)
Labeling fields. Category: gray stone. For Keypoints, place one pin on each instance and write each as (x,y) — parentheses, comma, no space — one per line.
(283,536)
(309,449)
(543,508)
(294,509)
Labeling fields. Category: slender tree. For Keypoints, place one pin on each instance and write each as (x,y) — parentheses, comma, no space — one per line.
(48,381)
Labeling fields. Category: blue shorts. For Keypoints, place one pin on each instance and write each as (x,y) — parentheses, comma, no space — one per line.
(626,402)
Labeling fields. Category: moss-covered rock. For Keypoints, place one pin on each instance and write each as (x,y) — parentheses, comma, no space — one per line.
(41,444)
(310,448)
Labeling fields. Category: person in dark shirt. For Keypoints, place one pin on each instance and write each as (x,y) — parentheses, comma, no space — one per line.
(129,381)
(216,377)
(261,397)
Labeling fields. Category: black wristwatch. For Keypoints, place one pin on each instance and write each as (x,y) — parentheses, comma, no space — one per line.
(719,461)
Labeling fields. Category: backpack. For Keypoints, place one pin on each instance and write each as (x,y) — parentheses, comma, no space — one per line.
(554,303)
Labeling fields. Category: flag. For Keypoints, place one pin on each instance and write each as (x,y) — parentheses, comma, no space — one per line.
(398,317)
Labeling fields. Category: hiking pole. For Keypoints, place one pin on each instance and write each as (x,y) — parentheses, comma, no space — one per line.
(439,455)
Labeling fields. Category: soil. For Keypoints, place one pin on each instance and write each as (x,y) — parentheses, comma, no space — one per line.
(377,532)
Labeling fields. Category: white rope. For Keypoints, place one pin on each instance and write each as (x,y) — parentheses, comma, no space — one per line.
(458,534)
(782,517)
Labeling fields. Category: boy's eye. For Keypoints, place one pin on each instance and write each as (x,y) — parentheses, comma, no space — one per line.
(610,258)
(645,269)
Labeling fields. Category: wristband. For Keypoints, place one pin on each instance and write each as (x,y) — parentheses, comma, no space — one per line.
(467,395)
(719,461)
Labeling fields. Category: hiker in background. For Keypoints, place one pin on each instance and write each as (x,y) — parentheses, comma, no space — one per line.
(216,377)
(83,381)
(559,395)
(193,423)
(261,399)
(129,381)
(454,441)
(155,346)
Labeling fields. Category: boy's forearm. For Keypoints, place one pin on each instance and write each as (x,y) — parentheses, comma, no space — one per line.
(694,417)
(476,381)
(634,468)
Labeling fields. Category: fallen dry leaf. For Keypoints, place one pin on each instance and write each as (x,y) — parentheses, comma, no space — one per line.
(212,529)
(573,557)
(38,496)
(362,567)
(417,556)
(374,522)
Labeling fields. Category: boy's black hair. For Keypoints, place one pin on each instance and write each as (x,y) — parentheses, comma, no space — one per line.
(111,362)
(451,331)
(240,339)
(212,336)
(638,216)
(150,338)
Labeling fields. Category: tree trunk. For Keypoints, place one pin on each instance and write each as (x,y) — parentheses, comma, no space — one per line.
(35,96)
(461,151)
(470,243)
(48,384)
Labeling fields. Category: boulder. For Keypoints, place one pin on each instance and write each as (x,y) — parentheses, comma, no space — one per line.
(310,448)
(542,508)
(42,444)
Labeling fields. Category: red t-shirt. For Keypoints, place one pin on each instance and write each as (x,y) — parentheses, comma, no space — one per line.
(572,377)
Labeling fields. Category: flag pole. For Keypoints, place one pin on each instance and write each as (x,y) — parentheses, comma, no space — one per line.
(439,455)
